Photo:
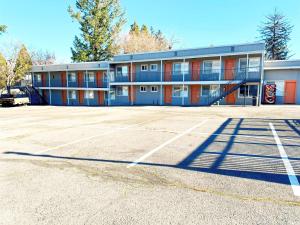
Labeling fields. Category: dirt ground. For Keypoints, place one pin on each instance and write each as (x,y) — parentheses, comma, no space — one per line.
(149,165)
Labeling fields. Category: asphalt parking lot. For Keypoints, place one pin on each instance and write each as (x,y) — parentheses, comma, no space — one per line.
(150,165)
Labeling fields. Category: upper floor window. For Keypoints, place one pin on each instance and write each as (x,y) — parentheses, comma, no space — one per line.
(72,77)
(242,64)
(72,94)
(89,94)
(254,64)
(38,77)
(179,91)
(153,67)
(122,71)
(143,89)
(144,67)
(90,76)
(181,67)
(122,91)
(211,66)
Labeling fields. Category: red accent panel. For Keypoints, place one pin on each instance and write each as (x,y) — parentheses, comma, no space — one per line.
(168,71)
(100,97)
(80,78)
(99,78)
(133,72)
(195,94)
(63,77)
(230,99)
(290,91)
(196,70)
(229,69)
(44,78)
(132,92)
(81,97)
(168,94)
(64,97)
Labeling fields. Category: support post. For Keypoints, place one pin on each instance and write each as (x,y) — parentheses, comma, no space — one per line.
(50,91)
(68,97)
(259,98)
(161,80)
(108,83)
(87,86)
(183,72)
(131,86)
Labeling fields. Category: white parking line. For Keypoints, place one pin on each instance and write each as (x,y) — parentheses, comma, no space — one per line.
(289,169)
(94,136)
(164,144)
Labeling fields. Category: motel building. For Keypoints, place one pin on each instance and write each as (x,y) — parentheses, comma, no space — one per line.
(222,75)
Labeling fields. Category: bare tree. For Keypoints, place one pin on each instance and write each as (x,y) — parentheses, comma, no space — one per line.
(41,57)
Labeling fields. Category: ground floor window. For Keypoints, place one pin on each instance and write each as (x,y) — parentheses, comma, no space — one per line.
(179,91)
(89,94)
(72,94)
(122,91)
(209,90)
(112,95)
(143,89)
(154,89)
(247,91)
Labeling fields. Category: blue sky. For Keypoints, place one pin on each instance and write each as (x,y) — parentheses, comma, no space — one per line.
(194,23)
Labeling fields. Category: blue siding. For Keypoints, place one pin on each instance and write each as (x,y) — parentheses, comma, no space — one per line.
(147,98)
(56,97)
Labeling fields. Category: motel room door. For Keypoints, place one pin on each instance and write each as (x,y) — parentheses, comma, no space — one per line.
(290,92)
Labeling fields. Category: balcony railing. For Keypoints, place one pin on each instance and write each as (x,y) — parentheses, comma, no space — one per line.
(58,82)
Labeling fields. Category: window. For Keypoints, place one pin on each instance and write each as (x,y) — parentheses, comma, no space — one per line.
(112,94)
(38,77)
(143,89)
(210,90)
(254,64)
(211,66)
(181,67)
(122,71)
(122,91)
(153,67)
(242,64)
(89,94)
(144,67)
(154,89)
(248,91)
(72,94)
(90,76)
(179,92)
(72,77)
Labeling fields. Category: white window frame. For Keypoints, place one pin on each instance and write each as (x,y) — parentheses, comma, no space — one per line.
(248,95)
(124,92)
(155,65)
(72,94)
(122,73)
(215,66)
(145,67)
(113,94)
(71,76)
(88,94)
(143,87)
(255,60)
(91,77)
(182,67)
(156,87)
(38,77)
(182,92)
(240,68)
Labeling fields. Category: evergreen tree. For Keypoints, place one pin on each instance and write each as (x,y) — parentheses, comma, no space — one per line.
(134,28)
(144,29)
(100,23)
(275,32)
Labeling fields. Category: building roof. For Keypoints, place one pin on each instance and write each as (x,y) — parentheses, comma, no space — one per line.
(282,64)
(251,48)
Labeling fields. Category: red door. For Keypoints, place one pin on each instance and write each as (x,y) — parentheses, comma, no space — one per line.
(196,70)
(229,75)
(64,97)
(168,94)
(99,78)
(290,92)
(195,94)
(81,97)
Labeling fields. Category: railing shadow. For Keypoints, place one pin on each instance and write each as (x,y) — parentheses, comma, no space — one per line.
(240,147)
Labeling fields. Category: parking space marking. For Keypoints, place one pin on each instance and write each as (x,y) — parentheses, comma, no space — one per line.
(165,144)
(289,169)
(94,136)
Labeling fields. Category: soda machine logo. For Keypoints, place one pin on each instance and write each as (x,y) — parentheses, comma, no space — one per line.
(270,93)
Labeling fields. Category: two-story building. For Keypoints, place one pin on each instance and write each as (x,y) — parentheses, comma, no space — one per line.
(227,75)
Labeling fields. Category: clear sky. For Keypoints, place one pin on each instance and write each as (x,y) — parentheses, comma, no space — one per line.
(45,24)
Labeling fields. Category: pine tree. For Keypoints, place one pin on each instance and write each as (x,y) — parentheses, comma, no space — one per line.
(275,32)
(144,29)
(134,28)
(100,23)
